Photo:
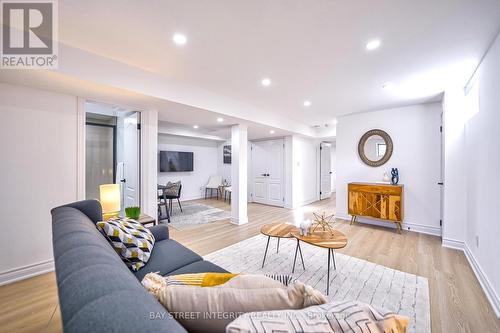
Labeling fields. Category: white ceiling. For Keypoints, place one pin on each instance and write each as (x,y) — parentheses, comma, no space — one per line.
(310,49)
(219,132)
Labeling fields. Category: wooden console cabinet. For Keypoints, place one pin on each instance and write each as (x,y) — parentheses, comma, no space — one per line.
(380,201)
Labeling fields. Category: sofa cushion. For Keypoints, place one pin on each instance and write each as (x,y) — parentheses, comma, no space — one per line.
(167,256)
(123,311)
(201,266)
(160,232)
(130,239)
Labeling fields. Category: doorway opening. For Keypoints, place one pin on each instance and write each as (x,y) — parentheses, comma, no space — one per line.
(112,151)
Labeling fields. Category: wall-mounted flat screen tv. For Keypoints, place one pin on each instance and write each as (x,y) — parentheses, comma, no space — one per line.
(175,161)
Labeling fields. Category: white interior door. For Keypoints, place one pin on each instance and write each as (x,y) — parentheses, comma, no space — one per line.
(267,171)
(131,160)
(325,171)
(259,173)
(275,177)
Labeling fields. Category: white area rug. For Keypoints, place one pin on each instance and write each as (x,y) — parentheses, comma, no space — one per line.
(194,215)
(355,279)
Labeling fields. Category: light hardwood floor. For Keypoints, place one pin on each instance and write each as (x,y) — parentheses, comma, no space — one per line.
(458,303)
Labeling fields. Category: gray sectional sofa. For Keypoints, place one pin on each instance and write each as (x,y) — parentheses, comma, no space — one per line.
(97,292)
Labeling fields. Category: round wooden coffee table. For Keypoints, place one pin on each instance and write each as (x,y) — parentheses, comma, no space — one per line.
(278,230)
(331,240)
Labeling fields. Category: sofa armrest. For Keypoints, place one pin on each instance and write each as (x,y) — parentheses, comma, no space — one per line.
(91,208)
(160,232)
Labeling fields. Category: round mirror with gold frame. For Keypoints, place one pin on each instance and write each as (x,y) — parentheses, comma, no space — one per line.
(375,148)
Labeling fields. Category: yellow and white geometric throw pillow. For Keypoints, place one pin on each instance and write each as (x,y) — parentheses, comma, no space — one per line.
(130,239)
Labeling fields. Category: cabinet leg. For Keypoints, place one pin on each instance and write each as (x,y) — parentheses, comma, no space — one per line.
(399,227)
(353,219)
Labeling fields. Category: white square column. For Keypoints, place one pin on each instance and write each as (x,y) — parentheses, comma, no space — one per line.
(239,174)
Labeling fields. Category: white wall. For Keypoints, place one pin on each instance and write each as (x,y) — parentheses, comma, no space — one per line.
(482,151)
(473,172)
(454,207)
(415,133)
(333,163)
(205,164)
(38,172)
(305,171)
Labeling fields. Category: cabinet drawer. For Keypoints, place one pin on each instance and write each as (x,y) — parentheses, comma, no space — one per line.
(376,188)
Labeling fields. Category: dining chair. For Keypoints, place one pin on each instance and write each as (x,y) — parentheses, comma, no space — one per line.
(213,184)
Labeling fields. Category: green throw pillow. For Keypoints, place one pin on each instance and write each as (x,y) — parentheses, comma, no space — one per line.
(130,239)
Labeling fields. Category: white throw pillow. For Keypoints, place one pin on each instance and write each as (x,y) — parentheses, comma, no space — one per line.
(344,316)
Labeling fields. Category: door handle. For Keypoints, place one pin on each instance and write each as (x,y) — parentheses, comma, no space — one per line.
(440,183)
(263,174)
(123,180)
(267,175)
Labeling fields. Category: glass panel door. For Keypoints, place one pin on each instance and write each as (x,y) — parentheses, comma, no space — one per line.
(99,158)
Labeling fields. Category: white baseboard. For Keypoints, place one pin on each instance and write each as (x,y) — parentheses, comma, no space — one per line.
(301,204)
(423,229)
(26,272)
(491,295)
(237,221)
(194,197)
(483,281)
(309,201)
(410,226)
(453,244)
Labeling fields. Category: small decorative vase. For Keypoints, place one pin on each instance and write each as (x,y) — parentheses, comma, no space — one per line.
(386,178)
(395,176)
(305,226)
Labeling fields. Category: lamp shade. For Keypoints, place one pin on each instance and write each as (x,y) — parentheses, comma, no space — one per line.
(110,198)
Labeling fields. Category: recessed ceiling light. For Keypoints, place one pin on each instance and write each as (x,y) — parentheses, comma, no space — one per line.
(388,86)
(179,39)
(220,120)
(195,126)
(307,103)
(271,131)
(266,82)
(372,45)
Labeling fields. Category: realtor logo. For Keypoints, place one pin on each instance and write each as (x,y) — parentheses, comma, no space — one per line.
(29,34)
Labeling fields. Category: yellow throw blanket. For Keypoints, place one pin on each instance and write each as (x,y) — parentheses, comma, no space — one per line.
(199,279)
